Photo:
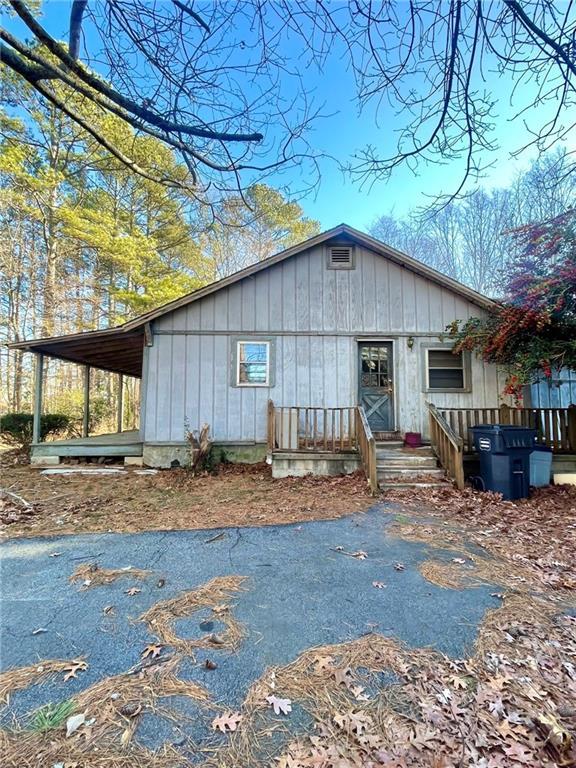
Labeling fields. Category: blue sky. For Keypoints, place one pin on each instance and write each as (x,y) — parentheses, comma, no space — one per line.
(346,131)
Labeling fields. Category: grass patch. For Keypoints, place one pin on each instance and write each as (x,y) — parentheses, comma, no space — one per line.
(52,716)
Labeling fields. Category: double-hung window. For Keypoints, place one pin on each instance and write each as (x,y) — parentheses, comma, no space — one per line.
(446,371)
(253,364)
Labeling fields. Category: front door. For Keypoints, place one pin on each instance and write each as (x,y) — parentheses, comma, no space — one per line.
(376,385)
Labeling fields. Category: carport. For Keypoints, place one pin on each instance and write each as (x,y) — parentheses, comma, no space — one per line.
(114,350)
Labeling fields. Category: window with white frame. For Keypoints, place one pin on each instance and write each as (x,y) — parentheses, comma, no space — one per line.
(445,370)
(253,364)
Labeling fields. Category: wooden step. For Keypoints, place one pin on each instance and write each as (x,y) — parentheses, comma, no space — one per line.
(414,484)
(409,473)
(406,461)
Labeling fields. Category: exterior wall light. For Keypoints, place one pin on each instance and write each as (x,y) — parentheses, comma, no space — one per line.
(410,342)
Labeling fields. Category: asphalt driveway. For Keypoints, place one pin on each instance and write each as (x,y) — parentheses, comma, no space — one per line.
(301,592)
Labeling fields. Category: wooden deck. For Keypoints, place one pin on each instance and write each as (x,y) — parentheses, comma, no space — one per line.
(114,444)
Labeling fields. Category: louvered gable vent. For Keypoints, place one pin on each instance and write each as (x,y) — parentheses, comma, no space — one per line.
(340,257)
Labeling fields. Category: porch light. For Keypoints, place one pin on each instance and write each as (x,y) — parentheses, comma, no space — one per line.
(410,342)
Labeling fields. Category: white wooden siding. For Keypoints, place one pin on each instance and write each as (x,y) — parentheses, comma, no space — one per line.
(315,316)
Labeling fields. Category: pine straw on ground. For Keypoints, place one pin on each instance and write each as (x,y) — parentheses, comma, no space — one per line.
(22,677)
(369,702)
(92,575)
(524,545)
(515,696)
(239,495)
(112,707)
(215,595)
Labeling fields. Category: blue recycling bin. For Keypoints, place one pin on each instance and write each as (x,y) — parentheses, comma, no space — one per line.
(504,452)
(540,466)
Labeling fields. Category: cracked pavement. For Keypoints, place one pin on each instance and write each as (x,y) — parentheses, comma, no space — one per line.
(301,592)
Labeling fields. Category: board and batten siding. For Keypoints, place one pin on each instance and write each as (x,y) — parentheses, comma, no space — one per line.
(315,316)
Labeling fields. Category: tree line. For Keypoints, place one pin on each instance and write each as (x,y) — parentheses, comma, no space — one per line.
(86,243)
(471,239)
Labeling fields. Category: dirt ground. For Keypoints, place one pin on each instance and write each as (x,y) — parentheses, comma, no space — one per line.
(238,495)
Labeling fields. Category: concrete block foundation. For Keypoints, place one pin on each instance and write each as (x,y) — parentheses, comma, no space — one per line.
(323,464)
(165,456)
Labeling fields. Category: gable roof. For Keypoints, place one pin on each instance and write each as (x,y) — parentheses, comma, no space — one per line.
(75,347)
(341,230)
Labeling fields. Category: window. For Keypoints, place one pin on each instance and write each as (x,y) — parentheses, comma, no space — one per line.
(253,364)
(341,257)
(445,370)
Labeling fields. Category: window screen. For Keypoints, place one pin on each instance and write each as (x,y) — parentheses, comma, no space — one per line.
(445,370)
(253,362)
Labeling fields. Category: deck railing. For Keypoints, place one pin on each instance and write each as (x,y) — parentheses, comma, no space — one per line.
(555,427)
(448,446)
(367,448)
(307,429)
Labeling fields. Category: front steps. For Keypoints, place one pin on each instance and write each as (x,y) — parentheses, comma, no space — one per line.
(400,467)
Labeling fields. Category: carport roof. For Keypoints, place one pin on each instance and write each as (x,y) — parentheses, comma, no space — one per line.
(113,349)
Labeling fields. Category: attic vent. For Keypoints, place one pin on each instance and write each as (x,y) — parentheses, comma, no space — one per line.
(340,257)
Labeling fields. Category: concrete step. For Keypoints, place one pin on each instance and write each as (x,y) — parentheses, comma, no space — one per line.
(408,473)
(392,444)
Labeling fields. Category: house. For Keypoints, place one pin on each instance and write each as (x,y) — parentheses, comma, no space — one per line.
(311,356)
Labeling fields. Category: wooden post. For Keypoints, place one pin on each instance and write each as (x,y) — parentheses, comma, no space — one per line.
(86,414)
(572,427)
(38,387)
(505,414)
(120,414)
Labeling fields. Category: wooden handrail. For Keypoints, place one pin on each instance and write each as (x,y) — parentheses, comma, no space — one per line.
(448,446)
(367,448)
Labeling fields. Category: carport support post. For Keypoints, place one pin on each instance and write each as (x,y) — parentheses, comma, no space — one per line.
(120,415)
(38,387)
(86,414)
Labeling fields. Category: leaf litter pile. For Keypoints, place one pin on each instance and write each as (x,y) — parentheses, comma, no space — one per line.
(525,545)
(239,495)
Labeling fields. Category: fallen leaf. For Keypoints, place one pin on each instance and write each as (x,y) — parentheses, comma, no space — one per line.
(208,664)
(343,676)
(280,706)
(353,722)
(133,591)
(153,650)
(519,753)
(399,566)
(73,723)
(108,609)
(555,733)
(216,639)
(458,682)
(160,583)
(74,666)
(228,721)
(323,662)
(378,584)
